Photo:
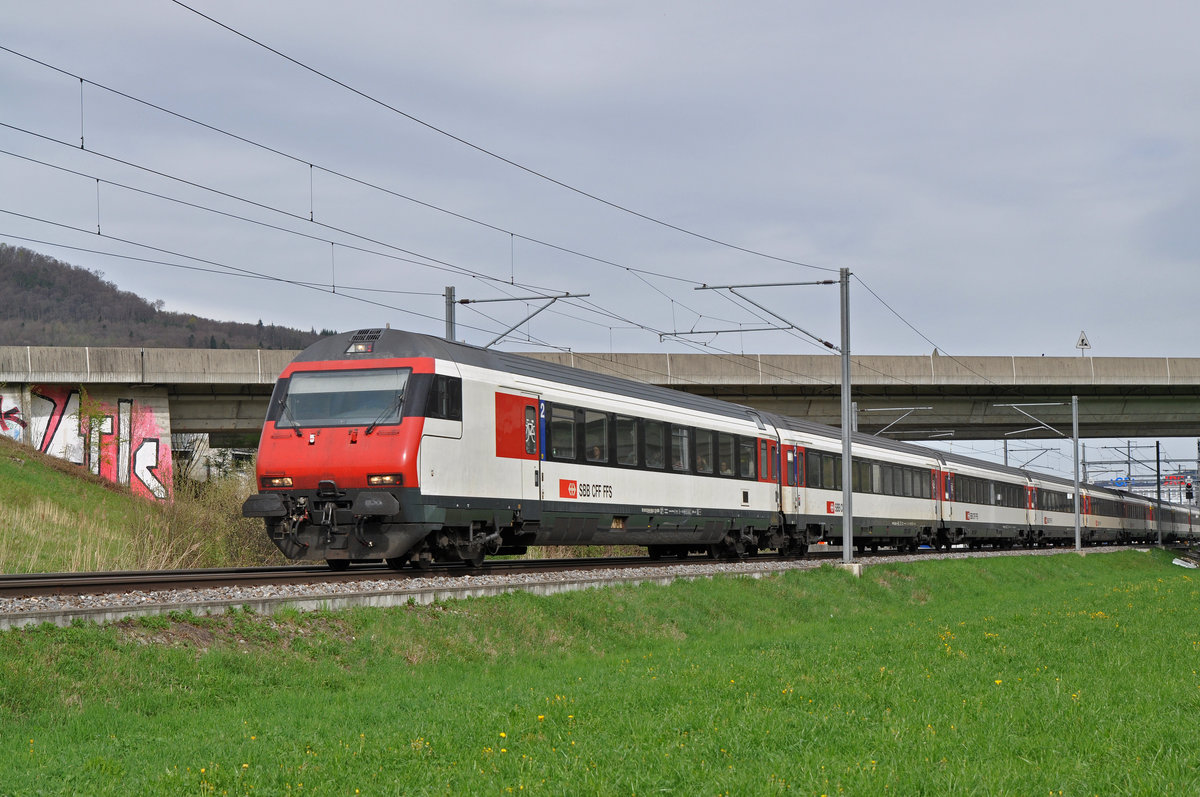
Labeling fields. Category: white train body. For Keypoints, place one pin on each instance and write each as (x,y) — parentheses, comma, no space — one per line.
(385,444)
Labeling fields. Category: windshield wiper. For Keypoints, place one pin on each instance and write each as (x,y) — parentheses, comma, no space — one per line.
(288,414)
(393,406)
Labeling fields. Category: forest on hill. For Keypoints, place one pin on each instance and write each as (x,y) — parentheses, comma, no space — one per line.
(51,303)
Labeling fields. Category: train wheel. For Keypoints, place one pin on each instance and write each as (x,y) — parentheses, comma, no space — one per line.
(655,552)
(338,565)
(475,559)
(397,562)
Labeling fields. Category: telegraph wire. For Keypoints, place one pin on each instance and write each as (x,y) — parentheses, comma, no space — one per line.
(493,154)
(443,265)
(231,271)
(335,173)
(246,273)
(636,272)
(434,264)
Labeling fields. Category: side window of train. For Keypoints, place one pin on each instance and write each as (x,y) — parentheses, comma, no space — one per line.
(704,451)
(681,448)
(595,434)
(790,468)
(627,440)
(725,454)
(445,400)
(656,444)
(562,432)
(531,426)
(746,458)
(831,473)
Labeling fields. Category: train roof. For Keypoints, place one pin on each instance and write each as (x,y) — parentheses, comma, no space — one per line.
(394,343)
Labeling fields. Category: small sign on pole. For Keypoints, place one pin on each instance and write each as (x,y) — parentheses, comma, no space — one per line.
(1082,344)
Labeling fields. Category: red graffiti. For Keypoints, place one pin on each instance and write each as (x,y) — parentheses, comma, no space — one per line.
(11,415)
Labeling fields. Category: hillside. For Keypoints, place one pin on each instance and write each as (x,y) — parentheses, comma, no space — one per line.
(51,303)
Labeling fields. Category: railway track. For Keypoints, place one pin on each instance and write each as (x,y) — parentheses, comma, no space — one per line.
(94,583)
(64,598)
(30,584)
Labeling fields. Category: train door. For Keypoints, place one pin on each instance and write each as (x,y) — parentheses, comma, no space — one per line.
(520,431)
(791,475)
(531,476)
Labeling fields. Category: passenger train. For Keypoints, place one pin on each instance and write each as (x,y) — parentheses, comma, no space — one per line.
(387,445)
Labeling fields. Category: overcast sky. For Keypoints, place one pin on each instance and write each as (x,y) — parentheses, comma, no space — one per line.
(1002,175)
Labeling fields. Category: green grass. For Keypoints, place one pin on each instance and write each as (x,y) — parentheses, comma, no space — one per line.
(58,517)
(1027,675)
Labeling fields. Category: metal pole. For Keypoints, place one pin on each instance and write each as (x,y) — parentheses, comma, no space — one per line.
(847,425)
(1006,452)
(450,313)
(1158,486)
(1075,440)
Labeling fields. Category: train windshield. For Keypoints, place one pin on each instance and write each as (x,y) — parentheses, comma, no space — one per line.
(343,398)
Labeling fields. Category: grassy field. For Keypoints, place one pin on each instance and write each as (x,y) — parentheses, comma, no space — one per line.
(1026,675)
(58,517)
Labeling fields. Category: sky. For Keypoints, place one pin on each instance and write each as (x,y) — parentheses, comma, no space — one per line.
(997,178)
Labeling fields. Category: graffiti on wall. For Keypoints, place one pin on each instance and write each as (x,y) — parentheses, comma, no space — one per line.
(123,440)
(11,423)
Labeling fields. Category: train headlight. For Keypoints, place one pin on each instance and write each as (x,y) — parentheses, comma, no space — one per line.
(360,348)
(276,481)
(381,479)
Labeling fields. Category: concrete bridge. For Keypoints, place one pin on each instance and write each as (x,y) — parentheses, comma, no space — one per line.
(137,397)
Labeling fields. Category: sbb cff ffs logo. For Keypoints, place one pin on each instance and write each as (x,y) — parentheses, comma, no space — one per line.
(568,488)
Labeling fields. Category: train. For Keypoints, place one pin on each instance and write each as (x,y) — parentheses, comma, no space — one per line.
(387,445)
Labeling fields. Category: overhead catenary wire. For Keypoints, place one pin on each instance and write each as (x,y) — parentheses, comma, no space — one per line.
(640,274)
(307,163)
(492,154)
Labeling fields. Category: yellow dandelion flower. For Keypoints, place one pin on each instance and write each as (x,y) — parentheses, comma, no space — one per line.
(998,682)
(503,735)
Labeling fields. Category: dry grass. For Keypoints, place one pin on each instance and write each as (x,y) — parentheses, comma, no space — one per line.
(58,517)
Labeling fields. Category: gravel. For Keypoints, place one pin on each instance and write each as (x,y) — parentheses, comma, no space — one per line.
(63,609)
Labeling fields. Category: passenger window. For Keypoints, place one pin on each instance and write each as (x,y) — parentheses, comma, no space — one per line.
(562,433)
(704,451)
(595,432)
(681,449)
(791,468)
(746,467)
(827,472)
(726,453)
(656,443)
(627,440)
